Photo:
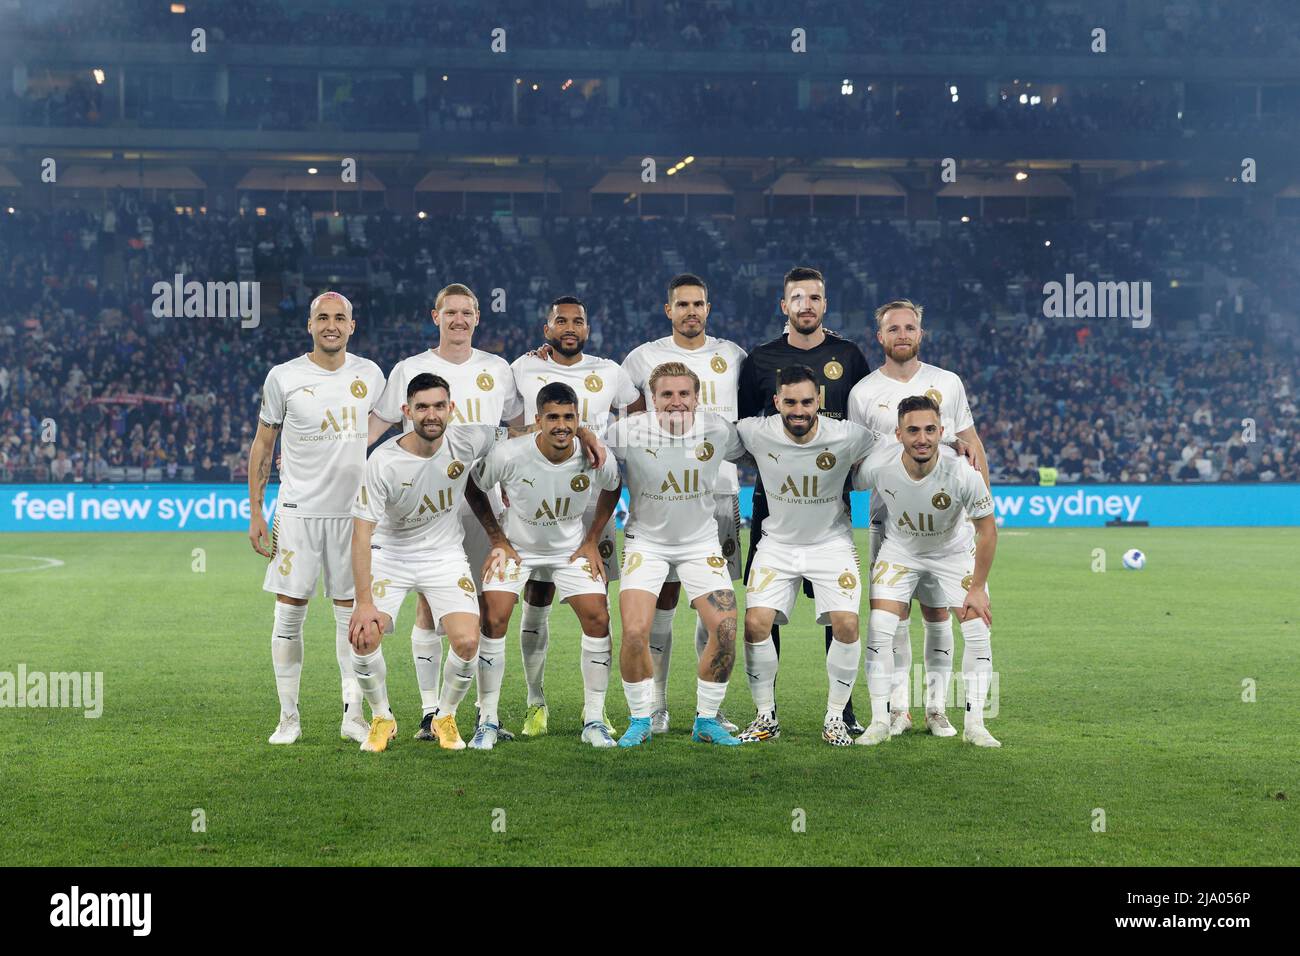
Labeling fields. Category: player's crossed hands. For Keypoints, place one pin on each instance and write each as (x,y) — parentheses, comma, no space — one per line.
(365,628)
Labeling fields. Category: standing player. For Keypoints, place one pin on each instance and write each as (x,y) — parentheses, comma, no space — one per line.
(836,363)
(601,385)
(874,404)
(549,485)
(930,549)
(672,460)
(805,460)
(316,403)
(485,390)
(716,364)
(407,537)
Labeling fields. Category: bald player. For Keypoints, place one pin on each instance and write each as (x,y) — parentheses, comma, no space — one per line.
(315,404)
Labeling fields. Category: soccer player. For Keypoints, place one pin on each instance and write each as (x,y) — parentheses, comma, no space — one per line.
(602,386)
(874,404)
(716,363)
(407,536)
(672,459)
(315,404)
(485,387)
(550,486)
(836,363)
(805,460)
(932,551)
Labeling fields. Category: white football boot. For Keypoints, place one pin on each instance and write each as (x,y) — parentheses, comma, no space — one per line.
(900,722)
(289,731)
(979,737)
(877,732)
(937,723)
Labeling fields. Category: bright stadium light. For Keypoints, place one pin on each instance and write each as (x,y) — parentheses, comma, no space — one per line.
(689,159)
(1035,100)
(953,89)
(11,210)
(98,74)
(846,87)
(444,77)
(422,214)
(1047,242)
(311,170)
(535,87)
(1021,176)
(965,218)
(1024,98)
(178,8)
(954,97)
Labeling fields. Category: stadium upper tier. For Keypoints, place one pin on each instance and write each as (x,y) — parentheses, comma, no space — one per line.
(137,396)
(1262,28)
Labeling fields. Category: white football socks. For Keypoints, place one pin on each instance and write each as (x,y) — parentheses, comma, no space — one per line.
(881,627)
(426,648)
(938,663)
(761,664)
(343,651)
(708,697)
(372,679)
(596,661)
(491,672)
(640,697)
(286,654)
(534,637)
(900,687)
(457,675)
(661,653)
(977,669)
(842,672)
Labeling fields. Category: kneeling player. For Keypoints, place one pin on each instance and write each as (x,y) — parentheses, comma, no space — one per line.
(672,458)
(407,537)
(548,483)
(804,460)
(928,550)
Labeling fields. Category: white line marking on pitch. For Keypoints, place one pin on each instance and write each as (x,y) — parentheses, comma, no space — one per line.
(49,563)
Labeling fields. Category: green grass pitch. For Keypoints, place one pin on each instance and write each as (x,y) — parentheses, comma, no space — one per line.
(1120,692)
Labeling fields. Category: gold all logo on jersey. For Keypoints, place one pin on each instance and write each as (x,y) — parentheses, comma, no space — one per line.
(485,382)
(358,389)
(718,364)
(346,420)
(941,501)
(833,370)
(580,483)
(446,498)
(934,395)
(967,581)
(716,561)
(455,469)
(593,382)
(704,451)
(848,581)
(825,461)
(466,585)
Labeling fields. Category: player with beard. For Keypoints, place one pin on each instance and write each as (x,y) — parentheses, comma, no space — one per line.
(407,537)
(939,540)
(873,403)
(315,404)
(601,386)
(836,364)
(804,460)
(716,363)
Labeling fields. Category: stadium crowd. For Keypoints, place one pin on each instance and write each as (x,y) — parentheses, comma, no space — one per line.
(95,386)
(1186,28)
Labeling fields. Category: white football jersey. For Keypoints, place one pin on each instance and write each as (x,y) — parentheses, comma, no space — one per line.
(414,501)
(547,501)
(926,516)
(601,385)
(323,419)
(482,388)
(716,362)
(873,402)
(672,479)
(805,483)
